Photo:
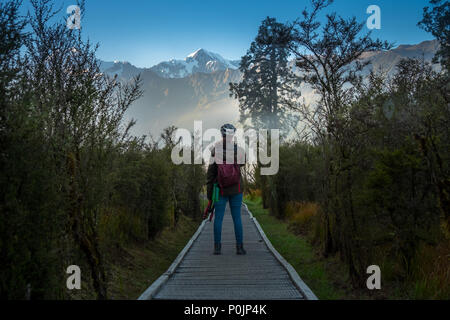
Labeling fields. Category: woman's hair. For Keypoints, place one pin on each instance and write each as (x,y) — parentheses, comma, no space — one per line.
(227,129)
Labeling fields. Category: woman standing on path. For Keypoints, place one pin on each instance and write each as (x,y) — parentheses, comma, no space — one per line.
(229,180)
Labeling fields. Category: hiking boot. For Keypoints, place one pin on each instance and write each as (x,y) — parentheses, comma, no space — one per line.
(217,247)
(240,249)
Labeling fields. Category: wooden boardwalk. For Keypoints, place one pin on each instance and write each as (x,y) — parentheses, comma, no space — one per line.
(261,274)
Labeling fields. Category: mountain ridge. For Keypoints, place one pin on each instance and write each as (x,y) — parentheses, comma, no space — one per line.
(203,92)
(409,50)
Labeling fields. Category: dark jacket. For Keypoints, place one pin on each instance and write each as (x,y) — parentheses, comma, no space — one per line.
(211,177)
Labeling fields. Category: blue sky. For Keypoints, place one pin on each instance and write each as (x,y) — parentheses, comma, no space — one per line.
(145,32)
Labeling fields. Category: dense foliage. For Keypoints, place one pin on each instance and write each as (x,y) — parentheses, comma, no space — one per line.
(376,160)
(73,181)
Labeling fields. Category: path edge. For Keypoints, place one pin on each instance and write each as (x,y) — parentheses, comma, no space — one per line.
(158,283)
(298,282)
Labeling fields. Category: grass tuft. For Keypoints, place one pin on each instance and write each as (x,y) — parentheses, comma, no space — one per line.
(297,251)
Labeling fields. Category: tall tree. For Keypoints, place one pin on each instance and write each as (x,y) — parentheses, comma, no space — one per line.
(82,112)
(328,58)
(437,22)
(268,81)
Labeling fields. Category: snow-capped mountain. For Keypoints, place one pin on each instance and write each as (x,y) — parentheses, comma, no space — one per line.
(199,61)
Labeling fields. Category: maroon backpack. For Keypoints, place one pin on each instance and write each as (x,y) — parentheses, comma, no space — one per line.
(228,174)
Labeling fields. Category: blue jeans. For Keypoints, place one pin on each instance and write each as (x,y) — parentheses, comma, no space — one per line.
(235,207)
